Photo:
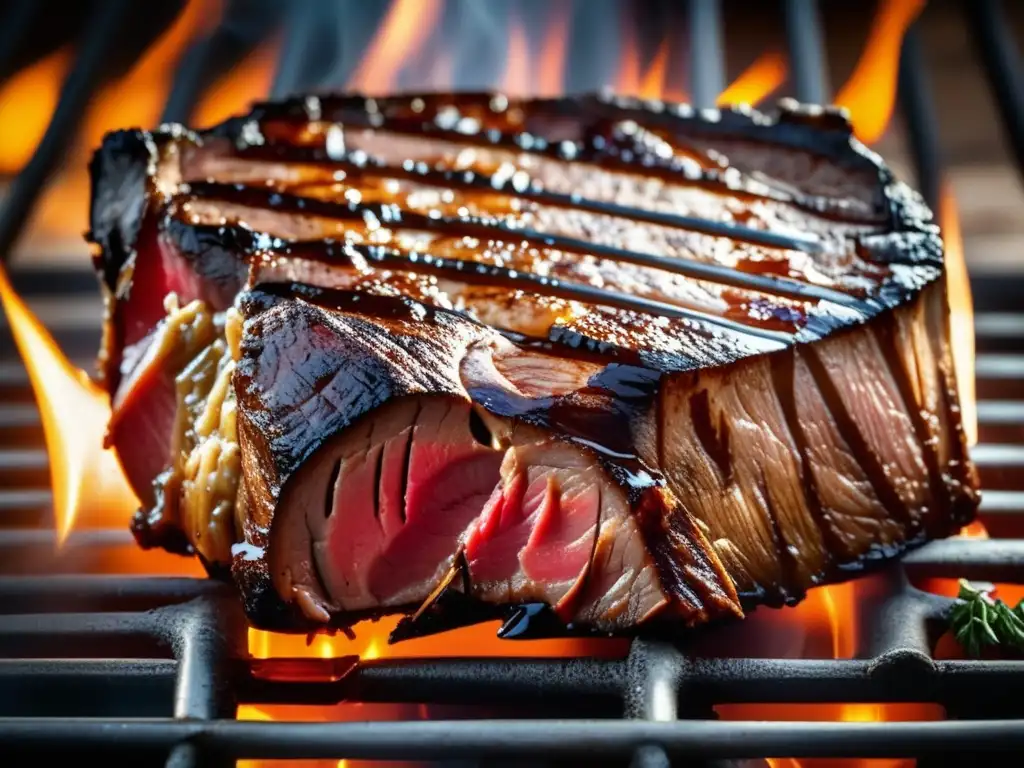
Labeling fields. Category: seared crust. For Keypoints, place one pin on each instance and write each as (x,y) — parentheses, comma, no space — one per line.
(794,236)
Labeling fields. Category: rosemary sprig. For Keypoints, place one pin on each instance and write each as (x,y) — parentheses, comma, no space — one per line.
(978,620)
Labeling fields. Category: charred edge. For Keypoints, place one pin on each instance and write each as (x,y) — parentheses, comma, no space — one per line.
(152,531)
(120,193)
(329,497)
(862,452)
(653,527)
(477,226)
(886,333)
(714,441)
(783,369)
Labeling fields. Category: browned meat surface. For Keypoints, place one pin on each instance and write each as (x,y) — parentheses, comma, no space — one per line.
(609,357)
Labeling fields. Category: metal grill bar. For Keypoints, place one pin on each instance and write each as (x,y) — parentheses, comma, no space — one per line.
(14,25)
(1001,59)
(528,738)
(707,59)
(99,37)
(807,51)
(915,95)
(244,24)
(300,29)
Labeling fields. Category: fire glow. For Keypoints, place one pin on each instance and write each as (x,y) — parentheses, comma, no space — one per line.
(89,487)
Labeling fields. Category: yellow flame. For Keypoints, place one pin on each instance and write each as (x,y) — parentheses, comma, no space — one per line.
(961,312)
(400,36)
(870,92)
(758,80)
(87,480)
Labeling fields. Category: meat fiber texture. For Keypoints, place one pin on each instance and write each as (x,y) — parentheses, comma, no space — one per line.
(638,366)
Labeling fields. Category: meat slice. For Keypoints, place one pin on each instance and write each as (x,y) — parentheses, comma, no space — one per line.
(611,357)
(408,475)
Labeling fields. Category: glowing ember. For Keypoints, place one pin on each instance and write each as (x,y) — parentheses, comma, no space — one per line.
(87,481)
(870,92)
(975,530)
(758,80)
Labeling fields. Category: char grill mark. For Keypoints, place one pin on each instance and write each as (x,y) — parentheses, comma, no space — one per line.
(395,217)
(885,331)
(393,311)
(784,383)
(598,131)
(862,451)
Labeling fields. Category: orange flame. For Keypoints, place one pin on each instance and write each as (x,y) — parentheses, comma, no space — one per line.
(550,80)
(235,91)
(837,607)
(652,85)
(516,80)
(87,481)
(870,92)
(757,81)
(961,311)
(400,36)
(26,102)
(649,84)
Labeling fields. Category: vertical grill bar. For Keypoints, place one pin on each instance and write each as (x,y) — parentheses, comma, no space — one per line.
(915,95)
(13,27)
(244,24)
(594,45)
(99,38)
(806,51)
(202,691)
(300,31)
(652,680)
(999,54)
(707,60)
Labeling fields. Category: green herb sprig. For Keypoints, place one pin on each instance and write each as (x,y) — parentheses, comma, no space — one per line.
(977,620)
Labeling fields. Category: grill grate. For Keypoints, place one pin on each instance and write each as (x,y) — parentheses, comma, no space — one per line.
(178,644)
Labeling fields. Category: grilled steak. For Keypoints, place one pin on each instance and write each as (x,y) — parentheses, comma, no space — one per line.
(611,357)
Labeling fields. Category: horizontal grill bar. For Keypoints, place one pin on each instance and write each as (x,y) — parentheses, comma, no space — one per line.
(528,738)
(981,560)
